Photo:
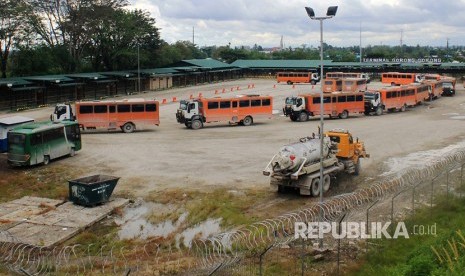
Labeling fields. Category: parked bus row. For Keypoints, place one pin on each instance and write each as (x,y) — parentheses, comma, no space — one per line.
(341,104)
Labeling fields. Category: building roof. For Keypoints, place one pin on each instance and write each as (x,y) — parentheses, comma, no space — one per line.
(207,63)
(14,120)
(279,64)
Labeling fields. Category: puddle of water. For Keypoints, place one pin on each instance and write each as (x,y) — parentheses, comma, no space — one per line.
(420,159)
(134,224)
(461,117)
(450,114)
(202,230)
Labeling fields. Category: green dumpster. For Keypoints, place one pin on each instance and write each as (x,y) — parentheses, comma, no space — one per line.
(92,190)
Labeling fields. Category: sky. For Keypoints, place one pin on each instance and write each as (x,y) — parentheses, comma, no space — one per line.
(263,22)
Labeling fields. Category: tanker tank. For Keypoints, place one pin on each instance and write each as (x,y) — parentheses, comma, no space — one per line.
(291,157)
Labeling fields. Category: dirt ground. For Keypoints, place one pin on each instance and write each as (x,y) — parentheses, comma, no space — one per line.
(233,157)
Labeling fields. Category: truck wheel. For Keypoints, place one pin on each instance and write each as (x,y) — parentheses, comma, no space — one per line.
(196,124)
(128,127)
(289,82)
(247,121)
(313,82)
(46,159)
(293,118)
(379,111)
(357,167)
(344,114)
(326,182)
(303,117)
(403,108)
(315,187)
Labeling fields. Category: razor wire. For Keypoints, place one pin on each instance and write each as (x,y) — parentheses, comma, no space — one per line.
(217,252)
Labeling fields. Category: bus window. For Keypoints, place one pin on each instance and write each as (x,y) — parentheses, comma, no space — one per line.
(225,104)
(316,100)
(341,99)
(327,100)
(112,109)
(123,108)
(150,107)
(86,109)
(351,98)
(16,139)
(360,98)
(100,109)
(256,102)
(212,105)
(137,108)
(234,104)
(244,103)
(266,102)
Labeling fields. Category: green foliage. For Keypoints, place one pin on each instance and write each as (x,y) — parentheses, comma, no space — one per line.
(441,254)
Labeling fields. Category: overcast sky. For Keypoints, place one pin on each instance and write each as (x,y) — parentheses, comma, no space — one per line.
(263,22)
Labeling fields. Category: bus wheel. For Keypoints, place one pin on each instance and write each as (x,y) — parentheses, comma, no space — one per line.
(72,152)
(196,124)
(313,82)
(379,111)
(344,114)
(46,159)
(303,117)
(128,127)
(326,182)
(289,82)
(315,186)
(403,108)
(247,121)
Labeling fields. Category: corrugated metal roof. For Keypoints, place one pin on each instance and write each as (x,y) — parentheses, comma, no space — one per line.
(277,64)
(14,81)
(88,76)
(158,71)
(14,120)
(208,63)
(49,78)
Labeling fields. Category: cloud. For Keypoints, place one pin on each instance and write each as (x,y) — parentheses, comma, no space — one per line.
(263,22)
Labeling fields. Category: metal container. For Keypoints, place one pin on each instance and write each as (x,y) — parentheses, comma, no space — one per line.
(92,190)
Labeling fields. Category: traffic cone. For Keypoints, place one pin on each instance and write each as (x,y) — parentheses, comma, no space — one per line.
(216,91)
(164,101)
(191,96)
(174,99)
(274,86)
(253,85)
(223,90)
(200,95)
(293,86)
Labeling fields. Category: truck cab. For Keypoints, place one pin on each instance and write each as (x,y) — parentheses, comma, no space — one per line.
(448,89)
(189,111)
(349,151)
(293,107)
(62,112)
(365,76)
(373,103)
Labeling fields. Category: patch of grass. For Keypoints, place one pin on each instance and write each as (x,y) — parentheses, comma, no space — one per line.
(418,255)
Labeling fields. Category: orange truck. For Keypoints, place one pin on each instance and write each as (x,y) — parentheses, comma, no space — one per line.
(123,114)
(242,109)
(335,104)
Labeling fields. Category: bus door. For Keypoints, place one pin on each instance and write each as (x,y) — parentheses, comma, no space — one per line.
(112,116)
(235,111)
(37,149)
(73,136)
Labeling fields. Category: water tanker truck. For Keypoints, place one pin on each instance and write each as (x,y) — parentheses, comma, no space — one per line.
(297,165)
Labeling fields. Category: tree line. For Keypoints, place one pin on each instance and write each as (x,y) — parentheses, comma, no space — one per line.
(69,36)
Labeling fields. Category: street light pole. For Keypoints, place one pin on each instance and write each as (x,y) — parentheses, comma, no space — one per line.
(138,68)
(329,14)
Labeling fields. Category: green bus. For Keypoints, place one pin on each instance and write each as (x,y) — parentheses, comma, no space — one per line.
(41,142)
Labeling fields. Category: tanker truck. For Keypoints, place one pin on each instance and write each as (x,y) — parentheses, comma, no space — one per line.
(297,165)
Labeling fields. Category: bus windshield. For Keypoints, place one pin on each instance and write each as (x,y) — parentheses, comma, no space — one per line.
(16,142)
(291,100)
(447,85)
(370,96)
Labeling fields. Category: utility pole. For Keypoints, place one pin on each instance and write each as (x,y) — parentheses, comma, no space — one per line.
(193,32)
(447,49)
(360,41)
(401,42)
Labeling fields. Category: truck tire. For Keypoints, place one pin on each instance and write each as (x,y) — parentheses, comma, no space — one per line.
(128,127)
(46,160)
(289,82)
(293,118)
(303,117)
(313,82)
(315,187)
(379,111)
(196,124)
(247,121)
(357,167)
(326,183)
(344,114)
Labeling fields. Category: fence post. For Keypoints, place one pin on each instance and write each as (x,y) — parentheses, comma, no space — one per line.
(368,225)
(303,256)
(413,198)
(339,242)
(261,259)
(447,184)
(432,194)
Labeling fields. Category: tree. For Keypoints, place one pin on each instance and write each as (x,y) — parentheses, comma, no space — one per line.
(13,28)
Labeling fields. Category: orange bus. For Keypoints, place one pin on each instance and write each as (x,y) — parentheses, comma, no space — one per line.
(243,109)
(332,85)
(336,104)
(346,75)
(297,77)
(396,78)
(436,87)
(123,114)
(354,85)
(395,98)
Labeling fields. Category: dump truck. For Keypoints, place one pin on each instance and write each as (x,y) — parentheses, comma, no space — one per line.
(297,165)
